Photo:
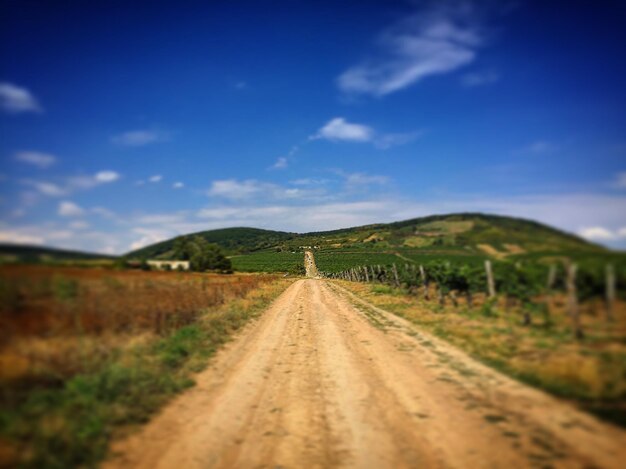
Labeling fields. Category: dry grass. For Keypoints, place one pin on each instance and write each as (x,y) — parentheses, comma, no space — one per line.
(546,354)
(91,350)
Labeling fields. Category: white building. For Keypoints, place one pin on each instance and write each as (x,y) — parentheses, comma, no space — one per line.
(173,265)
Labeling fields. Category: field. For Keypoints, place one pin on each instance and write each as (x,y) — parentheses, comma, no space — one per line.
(268,261)
(332,261)
(84,351)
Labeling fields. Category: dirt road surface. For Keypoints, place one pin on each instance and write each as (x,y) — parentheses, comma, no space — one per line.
(309,264)
(324,379)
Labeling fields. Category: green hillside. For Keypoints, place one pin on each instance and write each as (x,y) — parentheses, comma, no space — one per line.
(22,253)
(232,240)
(471,236)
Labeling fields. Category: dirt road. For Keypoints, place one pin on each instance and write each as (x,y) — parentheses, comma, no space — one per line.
(326,380)
(309,264)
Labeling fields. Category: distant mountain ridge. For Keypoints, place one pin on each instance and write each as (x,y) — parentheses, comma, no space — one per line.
(29,253)
(493,235)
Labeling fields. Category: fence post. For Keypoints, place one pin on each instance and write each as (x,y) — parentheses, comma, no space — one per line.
(367,275)
(610,292)
(572,300)
(424,282)
(395,275)
(490,283)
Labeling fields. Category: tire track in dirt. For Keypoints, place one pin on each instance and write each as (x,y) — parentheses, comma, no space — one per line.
(323,379)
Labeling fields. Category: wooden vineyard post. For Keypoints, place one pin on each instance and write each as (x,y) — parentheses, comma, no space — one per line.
(572,300)
(367,275)
(395,275)
(424,281)
(490,283)
(372,274)
(610,292)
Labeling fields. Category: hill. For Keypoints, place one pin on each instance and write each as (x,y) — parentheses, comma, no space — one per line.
(232,240)
(474,236)
(26,253)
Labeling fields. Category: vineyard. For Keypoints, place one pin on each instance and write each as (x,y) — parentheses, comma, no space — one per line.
(523,286)
(558,326)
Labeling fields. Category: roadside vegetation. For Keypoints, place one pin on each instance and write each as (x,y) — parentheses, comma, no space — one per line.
(86,352)
(532,329)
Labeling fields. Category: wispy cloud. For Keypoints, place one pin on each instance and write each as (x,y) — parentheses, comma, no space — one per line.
(69,209)
(360,179)
(281,163)
(238,190)
(35,158)
(340,129)
(106,176)
(155,178)
(488,77)
(15,99)
(149,236)
(178,185)
(71,184)
(17,236)
(139,138)
(433,41)
(600,233)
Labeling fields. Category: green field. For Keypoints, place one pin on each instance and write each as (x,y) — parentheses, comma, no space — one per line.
(268,261)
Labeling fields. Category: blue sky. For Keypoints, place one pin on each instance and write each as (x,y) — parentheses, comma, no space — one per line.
(125,123)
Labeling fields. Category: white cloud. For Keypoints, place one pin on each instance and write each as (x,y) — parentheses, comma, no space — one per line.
(69,209)
(600,233)
(281,163)
(355,179)
(15,99)
(237,190)
(431,42)
(178,185)
(106,176)
(471,80)
(46,188)
(234,189)
(340,129)
(309,182)
(71,184)
(596,233)
(36,158)
(148,236)
(18,237)
(155,178)
(138,138)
